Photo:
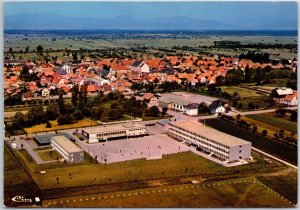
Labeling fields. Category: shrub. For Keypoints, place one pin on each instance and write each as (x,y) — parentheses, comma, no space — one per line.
(64,119)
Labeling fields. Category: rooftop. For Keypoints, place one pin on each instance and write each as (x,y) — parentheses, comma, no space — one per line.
(66,144)
(112,128)
(210,133)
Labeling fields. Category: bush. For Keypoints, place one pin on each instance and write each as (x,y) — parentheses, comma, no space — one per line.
(77,115)
(48,125)
(64,119)
(264,132)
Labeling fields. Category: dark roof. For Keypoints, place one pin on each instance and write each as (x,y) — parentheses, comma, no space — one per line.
(46,139)
(215,104)
(192,106)
(136,63)
(60,71)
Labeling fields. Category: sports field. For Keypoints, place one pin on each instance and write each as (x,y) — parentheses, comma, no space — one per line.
(230,193)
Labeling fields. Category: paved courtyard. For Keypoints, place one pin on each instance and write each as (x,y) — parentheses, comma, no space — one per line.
(149,147)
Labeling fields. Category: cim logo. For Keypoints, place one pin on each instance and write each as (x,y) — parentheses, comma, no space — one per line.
(21,199)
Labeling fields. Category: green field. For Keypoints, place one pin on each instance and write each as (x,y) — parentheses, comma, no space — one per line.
(16,180)
(233,193)
(271,119)
(161,41)
(242,91)
(90,173)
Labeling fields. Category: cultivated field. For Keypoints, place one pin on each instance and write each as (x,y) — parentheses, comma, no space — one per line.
(42,127)
(231,193)
(242,91)
(278,149)
(278,122)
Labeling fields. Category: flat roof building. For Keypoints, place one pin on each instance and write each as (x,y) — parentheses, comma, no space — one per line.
(208,140)
(70,151)
(114,131)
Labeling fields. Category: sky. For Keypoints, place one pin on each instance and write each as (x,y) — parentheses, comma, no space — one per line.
(225,11)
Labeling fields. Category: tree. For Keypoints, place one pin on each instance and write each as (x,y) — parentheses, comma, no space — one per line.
(48,124)
(61,105)
(64,119)
(240,106)
(220,80)
(164,110)
(203,108)
(264,132)
(75,95)
(254,129)
(153,111)
(40,49)
(77,115)
(52,111)
(294,116)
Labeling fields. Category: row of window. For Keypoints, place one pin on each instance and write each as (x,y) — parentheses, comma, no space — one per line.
(219,154)
(112,133)
(192,136)
(203,137)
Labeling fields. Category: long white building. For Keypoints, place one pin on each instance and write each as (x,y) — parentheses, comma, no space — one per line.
(114,131)
(220,145)
(70,151)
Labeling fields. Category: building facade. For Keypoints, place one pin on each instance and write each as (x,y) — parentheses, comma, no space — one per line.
(114,131)
(70,151)
(210,141)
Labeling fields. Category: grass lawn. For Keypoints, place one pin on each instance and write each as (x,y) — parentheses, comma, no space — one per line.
(278,122)
(91,173)
(55,126)
(16,180)
(49,155)
(258,100)
(242,91)
(266,125)
(240,193)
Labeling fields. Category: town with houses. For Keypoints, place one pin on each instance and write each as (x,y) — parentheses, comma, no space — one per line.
(132,116)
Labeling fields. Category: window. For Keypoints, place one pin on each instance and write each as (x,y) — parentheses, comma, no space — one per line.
(240,151)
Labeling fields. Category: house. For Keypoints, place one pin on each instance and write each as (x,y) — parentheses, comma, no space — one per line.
(66,68)
(192,109)
(280,93)
(27,96)
(150,98)
(216,107)
(139,66)
(291,100)
(45,93)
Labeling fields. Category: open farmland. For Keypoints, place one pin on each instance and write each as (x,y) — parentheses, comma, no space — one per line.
(278,149)
(285,185)
(231,193)
(42,127)
(269,127)
(242,91)
(280,123)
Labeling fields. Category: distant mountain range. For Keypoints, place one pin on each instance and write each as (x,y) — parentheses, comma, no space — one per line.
(52,21)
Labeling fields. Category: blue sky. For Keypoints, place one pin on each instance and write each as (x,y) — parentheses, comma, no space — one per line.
(225,11)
